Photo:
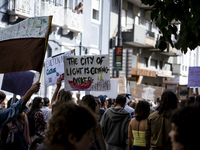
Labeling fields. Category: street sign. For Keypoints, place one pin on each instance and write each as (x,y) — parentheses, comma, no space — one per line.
(118,58)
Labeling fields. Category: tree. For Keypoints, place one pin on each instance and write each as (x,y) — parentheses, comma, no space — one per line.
(168,14)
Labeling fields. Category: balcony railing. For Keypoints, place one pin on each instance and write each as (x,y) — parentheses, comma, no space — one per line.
(150,34)
(24,8)
(56,11)
(73,21)
(63,17)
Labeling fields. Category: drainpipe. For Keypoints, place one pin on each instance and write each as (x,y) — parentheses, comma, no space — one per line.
(119,40)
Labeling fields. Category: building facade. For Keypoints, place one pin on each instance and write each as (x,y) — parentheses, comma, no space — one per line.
(86,33)
(142,62)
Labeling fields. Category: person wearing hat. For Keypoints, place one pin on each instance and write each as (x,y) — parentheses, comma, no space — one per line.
(102,106)
(45,109)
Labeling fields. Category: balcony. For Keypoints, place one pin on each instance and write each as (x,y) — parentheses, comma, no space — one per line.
(150,38)
(139,4)
(165,74)
(30,8)
(72,21)
(21,8)
(139,37)
(170,51)
(57,12)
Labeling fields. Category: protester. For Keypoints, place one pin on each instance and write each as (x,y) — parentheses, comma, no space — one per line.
(137,127)
(18,136)
(98,103)
(133,105)
(102,106)
(36,119)
(190,100)
(2,96)
(183,102)
(98,142)
(45,110)
(11,113)
(185,128)
(158,123)
(127,107)
(70,128)
(60,97)
(78,98)
(3,105)
(157,103)
(114,125)
(109,102)
(198,99)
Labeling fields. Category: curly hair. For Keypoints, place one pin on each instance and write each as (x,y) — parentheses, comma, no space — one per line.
(63,96)
(68,118)
(89,101)
(187,126)
(169,102)
(142,110)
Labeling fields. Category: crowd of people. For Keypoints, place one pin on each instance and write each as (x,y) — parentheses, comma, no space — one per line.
(98,123)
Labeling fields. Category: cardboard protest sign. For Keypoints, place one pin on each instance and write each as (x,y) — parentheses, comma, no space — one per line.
(122,85)
(112,93)
(193,77)
(89,72)
(147,92)
(23,45)
(54,68)
(17,82)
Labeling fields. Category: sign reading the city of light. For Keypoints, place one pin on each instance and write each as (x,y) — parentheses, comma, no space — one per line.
(89,72)
(54,68)
(193,77)
(118,58)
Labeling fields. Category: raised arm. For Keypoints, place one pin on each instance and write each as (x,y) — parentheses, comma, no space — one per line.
(58,83)
(11,113)
(34,89)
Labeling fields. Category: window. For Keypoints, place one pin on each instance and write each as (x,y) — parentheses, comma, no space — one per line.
(154,63)
(123,18)
(148,26)
(160,64)
(137,20)
(146,61)
(96,10)
(183,68)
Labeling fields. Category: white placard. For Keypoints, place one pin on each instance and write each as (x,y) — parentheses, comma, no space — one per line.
(89,72)
(54,68)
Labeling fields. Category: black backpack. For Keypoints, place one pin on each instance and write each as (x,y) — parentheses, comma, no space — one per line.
(32,127)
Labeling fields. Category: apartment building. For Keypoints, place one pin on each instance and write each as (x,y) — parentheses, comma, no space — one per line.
(142,62)
(86,32)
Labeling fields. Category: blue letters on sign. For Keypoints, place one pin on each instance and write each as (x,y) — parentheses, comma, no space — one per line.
(50,71)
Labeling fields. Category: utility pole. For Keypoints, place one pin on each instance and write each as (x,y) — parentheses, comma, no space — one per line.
(119,38)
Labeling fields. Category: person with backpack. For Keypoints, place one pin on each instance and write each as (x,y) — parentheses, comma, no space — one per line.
(18,136)
(36,119)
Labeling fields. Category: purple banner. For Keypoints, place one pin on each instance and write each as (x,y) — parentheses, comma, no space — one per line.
(17,82)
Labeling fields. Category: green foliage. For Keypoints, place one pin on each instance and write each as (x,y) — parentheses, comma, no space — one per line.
(167,14)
